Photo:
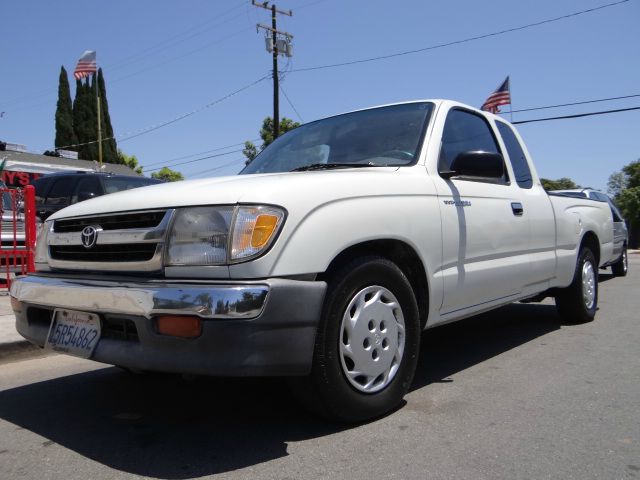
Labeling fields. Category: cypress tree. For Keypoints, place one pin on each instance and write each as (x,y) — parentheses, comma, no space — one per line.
(65,134)
(109,147)
(84,120)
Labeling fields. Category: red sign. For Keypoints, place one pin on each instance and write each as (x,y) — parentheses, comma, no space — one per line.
(18,179)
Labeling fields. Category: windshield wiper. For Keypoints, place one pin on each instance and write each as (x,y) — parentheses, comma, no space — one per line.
(330,166)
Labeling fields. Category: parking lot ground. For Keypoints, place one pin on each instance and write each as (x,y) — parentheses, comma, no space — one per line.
(506,395)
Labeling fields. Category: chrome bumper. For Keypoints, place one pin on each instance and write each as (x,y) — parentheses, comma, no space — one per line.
(255,328)
(146,299)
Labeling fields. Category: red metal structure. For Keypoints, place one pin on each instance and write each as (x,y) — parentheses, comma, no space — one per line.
(18,233)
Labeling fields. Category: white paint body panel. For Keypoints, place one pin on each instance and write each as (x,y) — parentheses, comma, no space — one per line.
(476,257)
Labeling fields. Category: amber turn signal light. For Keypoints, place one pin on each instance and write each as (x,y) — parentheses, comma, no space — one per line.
(179,326)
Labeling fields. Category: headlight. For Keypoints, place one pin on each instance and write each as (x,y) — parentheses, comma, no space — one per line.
(222,235)
(41,243)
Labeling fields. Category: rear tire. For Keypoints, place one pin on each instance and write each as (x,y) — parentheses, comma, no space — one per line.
(578,302)
(620,268)
(367,343)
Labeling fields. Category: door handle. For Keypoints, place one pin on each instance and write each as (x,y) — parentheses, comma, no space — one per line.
(517,209)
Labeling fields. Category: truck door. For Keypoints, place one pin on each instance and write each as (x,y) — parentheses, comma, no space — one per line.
(484,231)
(536,208)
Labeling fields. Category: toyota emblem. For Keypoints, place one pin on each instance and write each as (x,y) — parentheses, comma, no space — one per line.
(89,236)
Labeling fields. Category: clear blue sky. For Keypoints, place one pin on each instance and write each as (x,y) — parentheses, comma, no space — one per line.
(165,58)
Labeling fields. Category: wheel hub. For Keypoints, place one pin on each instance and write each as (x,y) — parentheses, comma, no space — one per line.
(372,338)
(588,285)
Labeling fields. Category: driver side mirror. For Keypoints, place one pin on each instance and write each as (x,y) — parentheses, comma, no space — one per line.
(476,164)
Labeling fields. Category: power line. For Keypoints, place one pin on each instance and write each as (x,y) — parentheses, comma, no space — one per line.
(143,131)
(187,34)
(575,103)
(589,114)
(195,160)
(178,57)
(209,170)
(159,47)
(217,149)
(291,104)
(458,42)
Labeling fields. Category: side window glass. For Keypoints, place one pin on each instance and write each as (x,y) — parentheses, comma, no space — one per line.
(463,132)
(617,216)
(516,155)
(61,191)
(41,187)
(88,187)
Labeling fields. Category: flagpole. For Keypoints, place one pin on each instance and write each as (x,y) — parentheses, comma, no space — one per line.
(510,102)
(99,122)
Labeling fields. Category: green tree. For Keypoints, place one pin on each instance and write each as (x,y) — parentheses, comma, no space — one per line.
(625,186)
(632,174)
(109,147)
(629,202)
(130,161)
(563,183)
(616,183)
(65,135)
(266,134)
(168,175)
(250,151)
(84,120)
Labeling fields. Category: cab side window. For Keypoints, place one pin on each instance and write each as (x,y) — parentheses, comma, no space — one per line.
(41,185)
(465,131)
(516,155)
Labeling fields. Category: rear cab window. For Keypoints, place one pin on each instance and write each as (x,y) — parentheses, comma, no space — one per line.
(516,154)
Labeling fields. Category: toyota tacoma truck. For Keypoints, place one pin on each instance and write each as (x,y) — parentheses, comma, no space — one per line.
(322,261)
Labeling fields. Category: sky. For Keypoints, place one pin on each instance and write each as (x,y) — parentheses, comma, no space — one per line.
(163,59)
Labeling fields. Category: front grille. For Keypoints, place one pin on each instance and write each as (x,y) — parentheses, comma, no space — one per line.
(111,222)
(124,252)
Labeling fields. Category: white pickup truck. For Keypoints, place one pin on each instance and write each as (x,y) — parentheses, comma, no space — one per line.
(322,261)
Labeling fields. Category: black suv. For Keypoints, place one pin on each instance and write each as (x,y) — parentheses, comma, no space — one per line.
(58,190)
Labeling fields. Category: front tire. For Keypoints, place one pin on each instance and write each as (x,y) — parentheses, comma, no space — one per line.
(578,302)
(620,268)
(367,343)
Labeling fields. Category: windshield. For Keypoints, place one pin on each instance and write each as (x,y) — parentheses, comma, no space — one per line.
(117,184)
(380,137)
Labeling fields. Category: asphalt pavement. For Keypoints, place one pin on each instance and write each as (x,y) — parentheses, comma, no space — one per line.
(511,394)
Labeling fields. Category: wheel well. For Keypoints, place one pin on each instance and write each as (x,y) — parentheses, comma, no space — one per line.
(591,240)
(398,252)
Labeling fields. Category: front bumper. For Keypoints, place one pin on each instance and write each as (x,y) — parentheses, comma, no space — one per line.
(259,328)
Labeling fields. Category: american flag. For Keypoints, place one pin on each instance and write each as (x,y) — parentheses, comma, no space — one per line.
(86,65)
(500,97)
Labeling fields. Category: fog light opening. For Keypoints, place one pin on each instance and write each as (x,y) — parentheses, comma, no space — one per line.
(179,326)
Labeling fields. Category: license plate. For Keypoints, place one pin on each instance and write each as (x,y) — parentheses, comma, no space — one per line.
(74,333)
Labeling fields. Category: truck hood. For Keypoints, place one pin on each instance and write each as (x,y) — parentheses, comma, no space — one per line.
(283,189)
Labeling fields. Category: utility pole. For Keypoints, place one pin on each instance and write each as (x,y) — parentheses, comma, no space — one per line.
(275,46)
